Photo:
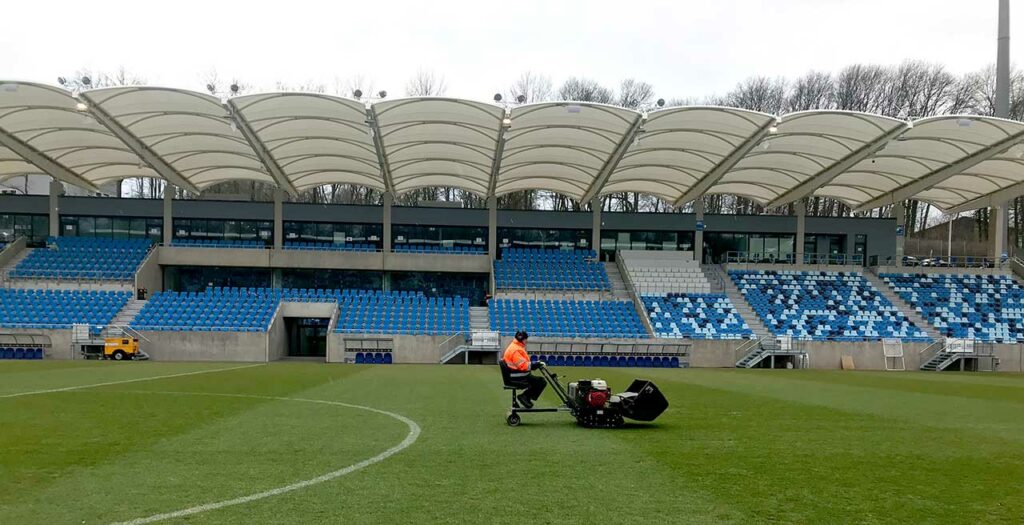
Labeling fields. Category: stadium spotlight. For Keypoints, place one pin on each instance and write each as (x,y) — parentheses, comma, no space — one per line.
(234,88)
(358,93)
(507,122)
(81,106)
(86,81)
(382,93)
(521,99)
(497,97)
(660,102)
(211,88)
(62,81)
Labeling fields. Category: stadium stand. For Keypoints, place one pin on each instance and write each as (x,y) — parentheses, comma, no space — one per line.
(328,246)
(695,316)
(539,269)
(59,309)
(823,306)
(547,318)
(657,273)
(982,307)
(251,310)
(437,248)
(84,258)
(219,243)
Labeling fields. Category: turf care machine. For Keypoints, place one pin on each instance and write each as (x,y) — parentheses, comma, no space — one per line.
(591,402)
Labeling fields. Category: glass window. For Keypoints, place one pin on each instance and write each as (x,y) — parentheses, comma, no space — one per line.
(121,226)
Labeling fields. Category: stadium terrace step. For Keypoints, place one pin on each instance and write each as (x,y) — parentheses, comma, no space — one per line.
(619,290)
(746,312)
(478,319)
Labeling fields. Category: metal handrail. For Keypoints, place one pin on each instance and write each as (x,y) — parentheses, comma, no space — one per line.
(790,258)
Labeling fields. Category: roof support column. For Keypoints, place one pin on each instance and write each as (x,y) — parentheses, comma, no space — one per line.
(492,227)
(168,228)
(698,234)
(999,239)
(901,230)
(595,232)
(56,190)
(387,200)
(801,228)
(278,218)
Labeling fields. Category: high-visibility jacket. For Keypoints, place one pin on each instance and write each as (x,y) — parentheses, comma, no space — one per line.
(515,357)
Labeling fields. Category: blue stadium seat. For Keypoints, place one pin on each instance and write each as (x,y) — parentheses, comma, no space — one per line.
(527,268)
(84,258)
(982,307)
(695,316)
(59,309)
(559,318)
(823,306)
(252,244)
(439,248)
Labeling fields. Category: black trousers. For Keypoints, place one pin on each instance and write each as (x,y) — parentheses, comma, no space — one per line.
(537,386)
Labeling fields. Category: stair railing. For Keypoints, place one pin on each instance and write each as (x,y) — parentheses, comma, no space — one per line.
(929,352)
(449,345)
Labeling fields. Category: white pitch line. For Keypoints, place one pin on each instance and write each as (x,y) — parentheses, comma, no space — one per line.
(410,438)
(136,380)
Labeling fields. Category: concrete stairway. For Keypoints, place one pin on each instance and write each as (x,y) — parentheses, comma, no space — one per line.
(904,306)
(619,291)
(478,319)
(740,302)
(128,313)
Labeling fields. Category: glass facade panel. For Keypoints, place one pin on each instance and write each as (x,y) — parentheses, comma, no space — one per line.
(472,286)
(220,229)
(612,240)
(439,235)
(542,238)
(332,232)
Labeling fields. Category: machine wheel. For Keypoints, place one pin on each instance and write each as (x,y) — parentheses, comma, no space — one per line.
(513,420)
(119,355)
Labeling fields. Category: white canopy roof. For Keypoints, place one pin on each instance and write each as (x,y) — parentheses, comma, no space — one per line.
(43,131)
(299,141)
(432,141)
(682,148)
(315,139)
(562,146)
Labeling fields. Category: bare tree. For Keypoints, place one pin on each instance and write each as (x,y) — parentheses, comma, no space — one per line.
(635,94)
(426,83)
(585,90)
(814,90)
(759,94)
(535,87)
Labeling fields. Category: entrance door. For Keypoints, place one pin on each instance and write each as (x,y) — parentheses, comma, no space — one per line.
(307,337)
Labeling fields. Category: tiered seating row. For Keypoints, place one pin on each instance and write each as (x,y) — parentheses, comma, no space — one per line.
(220,243)
(537,269)
(696,316)
(403,313)
(983,307)
(437,248)
(84,258)
(824,306)
(618,360)
(330,247)
(566,318)
(659,273)
(59,309)
(252,309)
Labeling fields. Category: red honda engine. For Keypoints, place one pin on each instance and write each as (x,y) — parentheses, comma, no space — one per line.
(597,398)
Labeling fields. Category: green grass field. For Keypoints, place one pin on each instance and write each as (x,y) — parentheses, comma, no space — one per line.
(736,446)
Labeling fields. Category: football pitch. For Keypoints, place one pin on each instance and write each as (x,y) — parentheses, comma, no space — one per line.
(103,442)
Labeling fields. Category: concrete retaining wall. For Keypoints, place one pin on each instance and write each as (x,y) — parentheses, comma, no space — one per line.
(206,346)
(375,261)
(149,275)
(412,349)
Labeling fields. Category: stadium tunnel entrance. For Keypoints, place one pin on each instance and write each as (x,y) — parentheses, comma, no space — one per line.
(306,336)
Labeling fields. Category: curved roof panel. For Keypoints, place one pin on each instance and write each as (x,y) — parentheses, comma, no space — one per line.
(431,141)
(808,148)
(192,132)
(942,160)
(48,121)
(680,147)
(316,139)
(561,146)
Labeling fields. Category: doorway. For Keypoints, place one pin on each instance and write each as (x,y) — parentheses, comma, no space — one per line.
(307,336)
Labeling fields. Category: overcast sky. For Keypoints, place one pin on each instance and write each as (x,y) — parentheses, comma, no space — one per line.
(685,48)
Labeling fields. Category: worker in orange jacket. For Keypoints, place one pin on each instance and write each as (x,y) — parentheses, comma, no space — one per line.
(518,363)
